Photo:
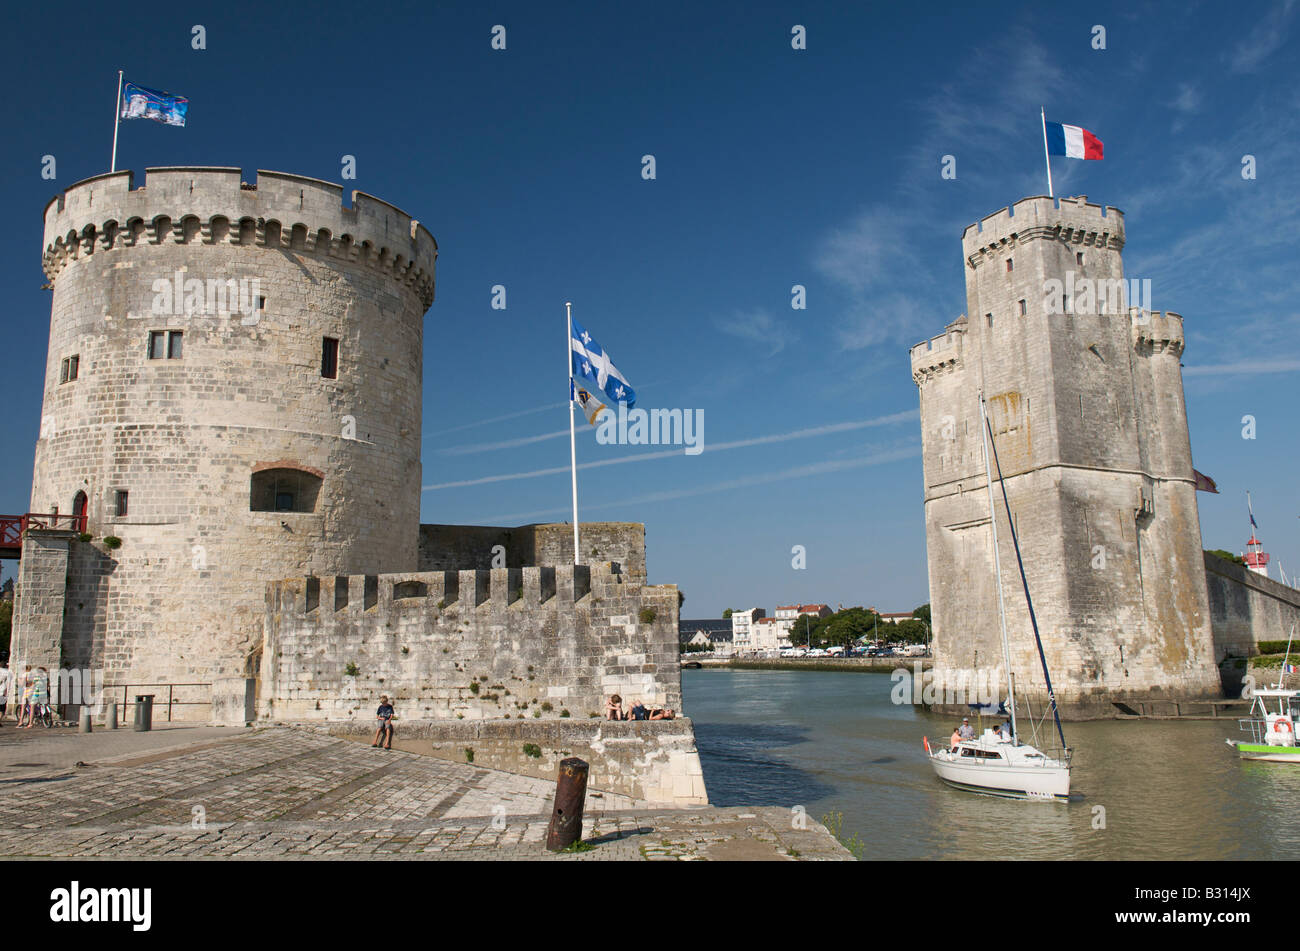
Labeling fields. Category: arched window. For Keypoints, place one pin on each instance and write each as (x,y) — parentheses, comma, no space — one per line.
(284,490)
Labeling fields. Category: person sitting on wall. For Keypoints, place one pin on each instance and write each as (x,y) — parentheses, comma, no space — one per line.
(385,717)
(614,708)
(660,714)
(638,711)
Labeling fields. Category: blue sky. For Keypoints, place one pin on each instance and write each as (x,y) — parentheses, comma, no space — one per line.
(774,167)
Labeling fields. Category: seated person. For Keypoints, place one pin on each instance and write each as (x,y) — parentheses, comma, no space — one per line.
(638,711)
(614,707)
(955,740)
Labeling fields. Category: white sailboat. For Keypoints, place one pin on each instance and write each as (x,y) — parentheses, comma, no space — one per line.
(991,764)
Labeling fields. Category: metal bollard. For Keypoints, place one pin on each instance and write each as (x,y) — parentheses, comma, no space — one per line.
(570,794)
(110,720)
(83,721)
(144,713)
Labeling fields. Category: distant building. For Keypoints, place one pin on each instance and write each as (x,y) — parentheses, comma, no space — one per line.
(896,617)
(7,590)
(714,633)
(742,629)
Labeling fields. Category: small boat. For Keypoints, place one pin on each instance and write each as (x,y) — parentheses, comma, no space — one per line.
(997,767)
(1271,728)
(991,764)
(1273,714)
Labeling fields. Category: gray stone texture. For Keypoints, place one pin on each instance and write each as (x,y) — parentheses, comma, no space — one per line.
(1091,433)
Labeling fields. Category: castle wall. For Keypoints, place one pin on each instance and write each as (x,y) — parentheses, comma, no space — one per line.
(654,760)
(1246,608)
(1085,403)
(180,600)
(565,637)
(453,547)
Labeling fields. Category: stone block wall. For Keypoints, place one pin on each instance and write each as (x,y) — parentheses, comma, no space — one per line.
(1246,608)
(500,644)
(452,547)
(653,761)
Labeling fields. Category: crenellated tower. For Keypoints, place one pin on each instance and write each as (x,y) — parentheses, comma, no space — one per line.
(233,390)
(1085,398)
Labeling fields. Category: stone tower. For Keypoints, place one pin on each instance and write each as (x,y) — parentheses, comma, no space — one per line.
(1085,397)
(233,390)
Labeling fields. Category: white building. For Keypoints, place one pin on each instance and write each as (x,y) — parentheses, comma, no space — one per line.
(742,629)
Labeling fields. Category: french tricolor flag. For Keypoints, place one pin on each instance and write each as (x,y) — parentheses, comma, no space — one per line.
(1072,141)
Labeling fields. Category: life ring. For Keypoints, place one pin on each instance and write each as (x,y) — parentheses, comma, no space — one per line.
(1282,725)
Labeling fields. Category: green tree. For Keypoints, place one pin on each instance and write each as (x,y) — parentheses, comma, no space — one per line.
(1225,555)
(726,615)
(923,613)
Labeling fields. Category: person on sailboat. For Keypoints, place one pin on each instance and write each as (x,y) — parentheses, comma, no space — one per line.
(1007,736)
(966,730)
(954,742)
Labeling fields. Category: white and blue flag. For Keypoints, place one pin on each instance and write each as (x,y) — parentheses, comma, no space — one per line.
(139,102)
(594,371)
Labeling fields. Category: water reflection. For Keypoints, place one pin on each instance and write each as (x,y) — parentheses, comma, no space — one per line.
(834,742)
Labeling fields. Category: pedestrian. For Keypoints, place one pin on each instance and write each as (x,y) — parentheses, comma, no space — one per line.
(6,681)
(385,717)
(25,697)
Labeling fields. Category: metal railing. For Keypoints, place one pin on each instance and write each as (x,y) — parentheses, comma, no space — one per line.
(171,696)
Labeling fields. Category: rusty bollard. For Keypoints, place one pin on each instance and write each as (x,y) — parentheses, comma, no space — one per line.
(570,794)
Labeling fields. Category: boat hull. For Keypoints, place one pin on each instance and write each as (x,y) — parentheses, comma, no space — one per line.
(1269,754)
(1034,783)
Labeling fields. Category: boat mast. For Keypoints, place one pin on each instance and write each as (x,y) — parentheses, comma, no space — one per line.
(1281,677)
(997,567)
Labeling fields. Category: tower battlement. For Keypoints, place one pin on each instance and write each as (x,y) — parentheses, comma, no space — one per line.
(939,354)
(214,206)
(1073,220)
(1156,332)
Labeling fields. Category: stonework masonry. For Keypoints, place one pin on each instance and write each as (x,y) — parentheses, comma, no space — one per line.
(233,398)
(1086,406)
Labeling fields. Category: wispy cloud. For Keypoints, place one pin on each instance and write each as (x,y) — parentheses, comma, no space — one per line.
(1267,37)
(758,327)
(809,433)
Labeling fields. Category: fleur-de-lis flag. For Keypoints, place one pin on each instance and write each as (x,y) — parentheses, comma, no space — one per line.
(595,372)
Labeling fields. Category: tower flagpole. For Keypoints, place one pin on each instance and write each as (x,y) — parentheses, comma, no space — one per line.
(117,118)
(573,439)
(1047,156)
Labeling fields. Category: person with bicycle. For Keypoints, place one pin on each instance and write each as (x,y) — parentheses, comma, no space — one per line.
(41,708)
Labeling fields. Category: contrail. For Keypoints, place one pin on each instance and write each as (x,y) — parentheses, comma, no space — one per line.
(505,444)
(497,419)
(798,472)
(1244,366)
(904,416)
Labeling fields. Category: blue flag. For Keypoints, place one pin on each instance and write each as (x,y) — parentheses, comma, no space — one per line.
(593,369)
(141,103)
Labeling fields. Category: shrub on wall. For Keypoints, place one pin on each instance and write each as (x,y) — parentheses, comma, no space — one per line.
(112,541)
(647,615)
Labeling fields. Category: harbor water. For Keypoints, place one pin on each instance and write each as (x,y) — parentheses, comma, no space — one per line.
(835,743)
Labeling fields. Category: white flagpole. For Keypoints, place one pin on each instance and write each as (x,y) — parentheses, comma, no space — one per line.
(117,116)
(1047,155)
(573,439)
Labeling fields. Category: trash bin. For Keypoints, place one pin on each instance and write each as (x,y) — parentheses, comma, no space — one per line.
(144,713)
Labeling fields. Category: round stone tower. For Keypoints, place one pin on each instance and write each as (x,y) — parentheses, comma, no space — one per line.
(233,393)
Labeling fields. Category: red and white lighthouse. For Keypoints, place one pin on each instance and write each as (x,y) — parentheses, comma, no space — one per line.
(1256,558)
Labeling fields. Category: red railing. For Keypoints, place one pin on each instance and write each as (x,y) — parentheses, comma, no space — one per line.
(12,527)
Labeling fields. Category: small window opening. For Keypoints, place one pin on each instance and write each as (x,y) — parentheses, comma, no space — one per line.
(121,503)
(329,358)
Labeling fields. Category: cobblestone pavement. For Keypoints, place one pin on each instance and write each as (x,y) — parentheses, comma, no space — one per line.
(287,793)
